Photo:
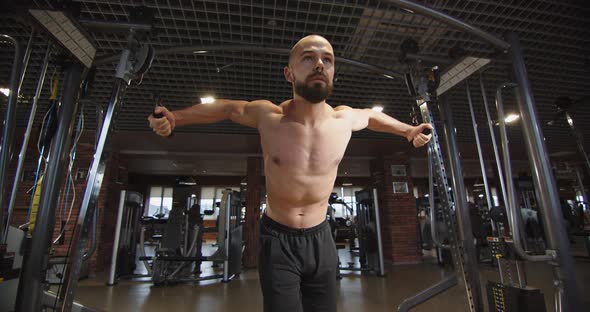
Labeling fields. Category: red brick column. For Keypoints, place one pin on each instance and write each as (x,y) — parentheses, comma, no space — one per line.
(399,225)
(253,198)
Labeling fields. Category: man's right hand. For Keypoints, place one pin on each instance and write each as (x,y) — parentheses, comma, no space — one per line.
(162,126)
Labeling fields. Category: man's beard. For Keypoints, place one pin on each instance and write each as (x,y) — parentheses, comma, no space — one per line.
(315,93)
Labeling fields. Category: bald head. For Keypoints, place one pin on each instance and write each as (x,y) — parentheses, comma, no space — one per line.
(309,41)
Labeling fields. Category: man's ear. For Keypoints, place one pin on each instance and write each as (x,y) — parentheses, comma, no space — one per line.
(287,73)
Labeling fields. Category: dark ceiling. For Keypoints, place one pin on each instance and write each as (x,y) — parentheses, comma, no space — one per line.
(555,36)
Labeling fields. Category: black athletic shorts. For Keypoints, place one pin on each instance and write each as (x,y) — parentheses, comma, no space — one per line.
(297,267)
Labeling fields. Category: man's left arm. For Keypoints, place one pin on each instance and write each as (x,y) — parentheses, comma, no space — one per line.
(380,122)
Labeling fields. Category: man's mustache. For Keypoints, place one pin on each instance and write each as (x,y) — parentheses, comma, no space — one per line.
(318,76)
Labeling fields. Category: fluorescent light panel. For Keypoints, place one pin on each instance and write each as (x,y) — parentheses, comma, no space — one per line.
(207,100)
(6,91)
(377,108)
(67,33)
(511,118)
(459,72)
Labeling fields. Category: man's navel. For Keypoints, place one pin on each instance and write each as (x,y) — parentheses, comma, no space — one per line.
(276,160)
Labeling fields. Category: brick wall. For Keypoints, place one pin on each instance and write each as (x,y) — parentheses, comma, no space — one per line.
(253,198)
(399,225)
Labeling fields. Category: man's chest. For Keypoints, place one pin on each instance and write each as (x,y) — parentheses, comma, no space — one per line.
(292,146)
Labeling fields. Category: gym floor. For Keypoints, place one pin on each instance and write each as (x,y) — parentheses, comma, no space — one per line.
(356,292)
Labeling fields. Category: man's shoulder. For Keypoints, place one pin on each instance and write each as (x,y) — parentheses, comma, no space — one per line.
(343,111)
(340,108)
(266,106)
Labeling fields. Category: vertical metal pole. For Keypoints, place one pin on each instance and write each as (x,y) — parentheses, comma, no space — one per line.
(493,136)
(9,124)
(226,238)
(33,275)
(520,274)
(115,253)
(512,206)
(379,240)
(26,59)
(23,151)
(431,178)
(479,152)
(544,182)
(461,208)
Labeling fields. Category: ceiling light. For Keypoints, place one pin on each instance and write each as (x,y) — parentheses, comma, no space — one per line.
(426,195)
(207,100)
(346,184)
(511,118)
(570,121)
(6,91)
(199,52)
(377,108)
(387,76)
(186,181)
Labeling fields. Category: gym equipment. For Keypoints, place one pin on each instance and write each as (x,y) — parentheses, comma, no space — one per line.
(126,230)
(169,265)
(559,253)
(366,227)
(135,60)
(343,228)
(423,87)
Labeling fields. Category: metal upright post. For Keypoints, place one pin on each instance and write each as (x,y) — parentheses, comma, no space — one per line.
(9,123)
(26,59)
(493,135)
(431,179)
(544,181)
(33,275)
(226,238)
(115,253)
(461,208)
(378,230)
(479,152)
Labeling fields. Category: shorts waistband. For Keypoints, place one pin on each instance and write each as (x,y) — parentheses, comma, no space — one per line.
(283,229)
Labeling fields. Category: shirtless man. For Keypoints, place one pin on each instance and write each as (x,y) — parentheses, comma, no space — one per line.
(303,141)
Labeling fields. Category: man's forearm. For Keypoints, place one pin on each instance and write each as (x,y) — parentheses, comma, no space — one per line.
(383,123)
(206,113)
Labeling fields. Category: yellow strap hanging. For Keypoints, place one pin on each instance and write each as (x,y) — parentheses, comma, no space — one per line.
(35,206)
(54,88)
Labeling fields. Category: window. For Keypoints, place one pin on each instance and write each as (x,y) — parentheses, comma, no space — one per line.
(211,195)
(346,193)
(160,202)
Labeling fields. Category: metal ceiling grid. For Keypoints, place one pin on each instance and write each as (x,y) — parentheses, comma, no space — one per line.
(555,36)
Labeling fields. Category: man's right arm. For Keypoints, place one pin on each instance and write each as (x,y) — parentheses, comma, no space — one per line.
(242,112)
